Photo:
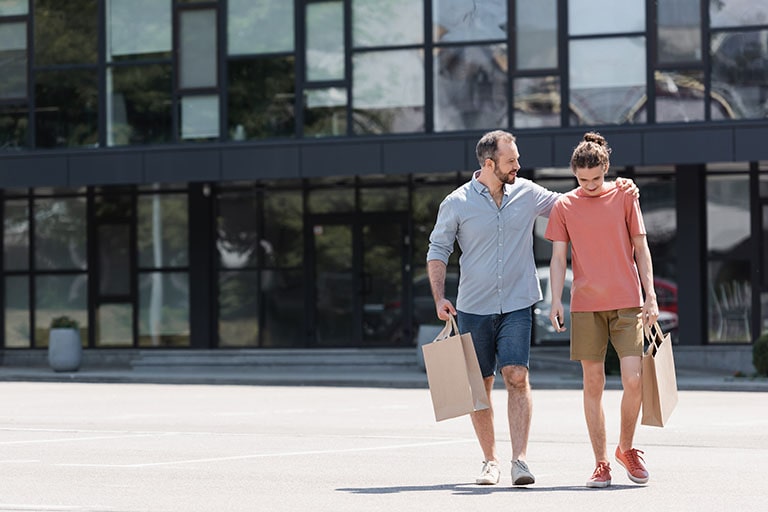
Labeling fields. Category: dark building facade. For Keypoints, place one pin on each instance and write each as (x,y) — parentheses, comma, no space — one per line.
(265,173)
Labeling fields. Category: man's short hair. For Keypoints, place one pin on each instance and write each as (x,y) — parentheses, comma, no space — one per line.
(488,145)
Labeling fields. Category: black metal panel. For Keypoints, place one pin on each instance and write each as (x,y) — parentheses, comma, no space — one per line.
(688,146)
(341,159)
(750,144)
(33,171)
(691,254)
(260,163)
(180,166)
(537,151)
(626,147)
(423,155)
(105,169)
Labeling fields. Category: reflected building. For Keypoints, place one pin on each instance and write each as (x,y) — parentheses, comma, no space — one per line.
(266,173)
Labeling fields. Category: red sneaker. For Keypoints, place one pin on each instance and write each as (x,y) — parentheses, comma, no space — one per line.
(601,477)
(633,463)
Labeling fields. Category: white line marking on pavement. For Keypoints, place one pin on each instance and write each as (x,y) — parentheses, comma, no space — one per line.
(263,455)
(74,439)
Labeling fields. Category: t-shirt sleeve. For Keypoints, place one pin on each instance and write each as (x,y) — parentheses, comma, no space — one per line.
(556,230)
(635,223)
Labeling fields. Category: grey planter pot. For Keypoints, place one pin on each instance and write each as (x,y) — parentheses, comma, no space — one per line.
(65,351)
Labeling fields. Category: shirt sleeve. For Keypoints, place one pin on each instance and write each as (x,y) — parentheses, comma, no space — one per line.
(545,200)
(635,222)
(556,229)
(443,236)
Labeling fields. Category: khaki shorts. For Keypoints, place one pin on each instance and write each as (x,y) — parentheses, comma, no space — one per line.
(590,332)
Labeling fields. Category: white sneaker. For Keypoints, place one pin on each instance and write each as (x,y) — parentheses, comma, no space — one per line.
(490,473)
(521,475)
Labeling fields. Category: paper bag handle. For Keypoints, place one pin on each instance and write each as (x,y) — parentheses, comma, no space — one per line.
(654,335)
(450,326)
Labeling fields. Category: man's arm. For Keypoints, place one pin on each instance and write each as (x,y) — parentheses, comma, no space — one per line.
(436,270)
(557,267)
(650,311)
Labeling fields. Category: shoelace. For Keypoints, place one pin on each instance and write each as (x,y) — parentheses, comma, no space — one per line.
(602,469)
(488,467)
(634,459)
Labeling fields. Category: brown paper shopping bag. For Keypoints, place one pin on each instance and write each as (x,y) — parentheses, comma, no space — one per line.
(453,373)
(659,378)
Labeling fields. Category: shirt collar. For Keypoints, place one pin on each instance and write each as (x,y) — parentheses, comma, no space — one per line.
(482,189)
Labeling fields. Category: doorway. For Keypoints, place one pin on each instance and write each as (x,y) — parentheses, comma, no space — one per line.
(359,271)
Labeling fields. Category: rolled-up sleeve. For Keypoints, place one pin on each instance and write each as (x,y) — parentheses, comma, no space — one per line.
(443,236)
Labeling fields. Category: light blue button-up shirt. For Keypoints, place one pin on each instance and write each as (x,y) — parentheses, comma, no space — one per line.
(498,271)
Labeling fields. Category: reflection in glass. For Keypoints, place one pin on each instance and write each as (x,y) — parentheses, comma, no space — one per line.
(17,323)
(536,34)
(470,87)
(765,250)
(14,7)
(728,220)
(679,96)
(587,17)
(163,309)
(259,26)
(730,301)
(378,199)
(67,108)
(16,235)
(14,124)
(331,200)
(469,20)
(537,102)
(325,112)
(388,91)
(13,60)
(658,200)
(737,13)
(114,259)
(162,230)
(607,78)
(138,28)
(199,117)
(57,295)
(679,31)
(238,309)
(237,237)
(139,105)
(197,63)
(283,299)
(325,41)
(114,325)
(392,23)
(261,98)
(283,242)
(336,293)
(66,32)
(739,72)
(60,233)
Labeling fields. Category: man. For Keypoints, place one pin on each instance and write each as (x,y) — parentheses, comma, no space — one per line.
(492,218)
(611,259)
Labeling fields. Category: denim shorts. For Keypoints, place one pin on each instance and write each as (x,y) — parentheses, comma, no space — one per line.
(500,339)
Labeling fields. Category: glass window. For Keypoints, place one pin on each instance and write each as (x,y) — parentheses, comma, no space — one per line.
(679,96)
(261,98)
(237,236)
(325,41)
(114,325)
(14,7)
(197,65)
(469,20)
(114,241)
(16,237)
(163,309)
(331,200)
(736,13)
(200,117)
(587,17)
(57,295)
(679,31)
(283,299)
(14,123)
(13,60)
(739,71)
(139,105)
(67,108)
(392,23)
(283,242)
(537,102)
(325,112)
(536,34)
(259,26)
(66,32)
(470,87)
(730,303)
(60,233)
(728,219)
(17,323)
(607,78)
(138,28)
(384,199)
(388,92)
(238,309)
(162,230)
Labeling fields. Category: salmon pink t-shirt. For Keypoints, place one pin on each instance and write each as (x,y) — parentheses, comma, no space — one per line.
(600,230)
